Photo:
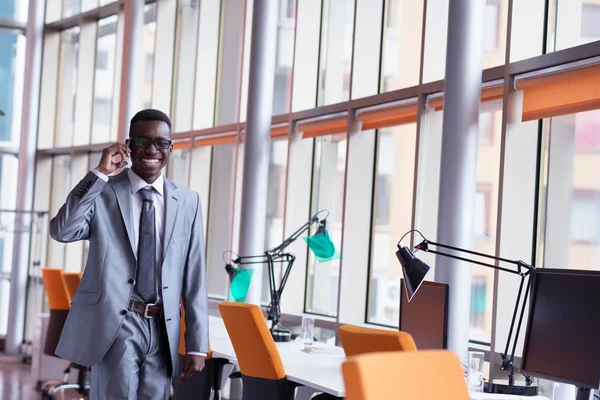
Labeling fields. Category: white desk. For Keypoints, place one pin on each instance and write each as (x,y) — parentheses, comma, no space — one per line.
(321,369)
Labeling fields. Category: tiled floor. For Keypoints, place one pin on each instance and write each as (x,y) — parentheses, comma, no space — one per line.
(16,382)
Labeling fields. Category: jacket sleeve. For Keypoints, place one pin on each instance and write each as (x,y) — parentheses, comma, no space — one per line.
(72,223)
(193,294)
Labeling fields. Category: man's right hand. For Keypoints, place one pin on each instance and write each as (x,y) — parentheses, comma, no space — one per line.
(107,165)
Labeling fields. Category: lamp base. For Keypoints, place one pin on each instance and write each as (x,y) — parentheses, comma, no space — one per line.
(280,335)
(501,386)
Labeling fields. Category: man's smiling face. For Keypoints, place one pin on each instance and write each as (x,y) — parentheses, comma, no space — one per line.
(148,159)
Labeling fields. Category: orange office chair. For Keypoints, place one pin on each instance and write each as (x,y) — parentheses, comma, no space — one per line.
(72,280)
(414,375)
(59,302)
(211,379)
(358,340)
(263,374)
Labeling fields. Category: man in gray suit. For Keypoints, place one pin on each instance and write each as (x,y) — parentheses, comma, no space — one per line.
(146,252)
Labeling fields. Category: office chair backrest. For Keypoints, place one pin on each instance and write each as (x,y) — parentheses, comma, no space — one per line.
(358,340)
(59,303)
(414,375)
(254,347)
(182,328)
(72,280)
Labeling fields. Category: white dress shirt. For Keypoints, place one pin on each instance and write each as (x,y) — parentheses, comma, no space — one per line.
(138,184)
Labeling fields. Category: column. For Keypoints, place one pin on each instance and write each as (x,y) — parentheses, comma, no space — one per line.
(31,96)
(458,179)
(131,65)
(258,126)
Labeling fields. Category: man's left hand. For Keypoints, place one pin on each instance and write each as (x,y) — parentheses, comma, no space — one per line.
(192,364)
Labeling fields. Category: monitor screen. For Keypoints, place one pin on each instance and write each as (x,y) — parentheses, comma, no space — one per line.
(562,341)
(425,317)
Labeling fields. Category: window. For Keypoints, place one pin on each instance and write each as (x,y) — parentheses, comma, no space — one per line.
(12,70)
(492,28)
(220,217)
(571,232)
(275,206)
(486,202)
(103,128)
(14,10)
(102,60)
(327,192)
(200,178)
(284,57)
(336,51)
(178,169)
(590,15)
(393,210)
(587,126)
(148,47)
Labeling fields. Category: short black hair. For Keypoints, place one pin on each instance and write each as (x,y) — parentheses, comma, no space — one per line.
(150,114)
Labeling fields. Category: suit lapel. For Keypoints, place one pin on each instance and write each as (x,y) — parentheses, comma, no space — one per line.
(171,208)
(122,190)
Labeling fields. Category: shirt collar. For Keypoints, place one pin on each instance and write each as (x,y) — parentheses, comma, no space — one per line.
(138,183)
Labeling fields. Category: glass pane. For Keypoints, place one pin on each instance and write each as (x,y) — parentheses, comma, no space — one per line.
(87,5)
(200,178)
(102,130)
(220,217)
(178,168)
(148,43)
(573,23)
(306,60)
(187,39)
(14,10)
(67,90)
(402,33)
(61,185)
(336,51)
(328,194)
(494,33)
(367,48)
(275,206)
(206,71)
(284,57)
(4,299)
(71,7)
(486,203)
(527,30)
(436,35)
(12,71)
(392,211)
(572,192)
(246,61)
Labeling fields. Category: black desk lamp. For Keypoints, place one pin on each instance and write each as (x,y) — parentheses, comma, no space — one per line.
(414,271)
(277,255)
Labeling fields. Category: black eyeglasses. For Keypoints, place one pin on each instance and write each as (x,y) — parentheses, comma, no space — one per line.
(158,143)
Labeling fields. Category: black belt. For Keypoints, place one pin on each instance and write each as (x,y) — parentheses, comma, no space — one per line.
(149,310)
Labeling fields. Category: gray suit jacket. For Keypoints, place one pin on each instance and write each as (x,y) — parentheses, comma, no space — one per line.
(100,212)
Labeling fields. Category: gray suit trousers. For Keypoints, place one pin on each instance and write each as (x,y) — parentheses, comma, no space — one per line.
(137,366)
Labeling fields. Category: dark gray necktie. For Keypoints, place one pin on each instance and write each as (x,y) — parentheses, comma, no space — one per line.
(145,283)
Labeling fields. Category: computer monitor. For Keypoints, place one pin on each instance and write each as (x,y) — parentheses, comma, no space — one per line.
(425,317)
(562,338)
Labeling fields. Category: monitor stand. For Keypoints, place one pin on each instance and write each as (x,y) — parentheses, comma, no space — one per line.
(583,393)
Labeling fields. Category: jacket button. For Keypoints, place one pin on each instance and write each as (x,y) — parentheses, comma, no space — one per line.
(131,281)
(123,312)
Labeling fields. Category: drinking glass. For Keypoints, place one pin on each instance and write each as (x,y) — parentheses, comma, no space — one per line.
(475,372)
(306,337)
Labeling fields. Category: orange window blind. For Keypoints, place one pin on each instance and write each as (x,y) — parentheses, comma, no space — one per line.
(186,144)
(390,116)
(561,93)
(216,140)
(330,126)
(487,94)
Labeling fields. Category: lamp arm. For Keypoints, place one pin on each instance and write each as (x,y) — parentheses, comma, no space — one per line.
(521,264)
(292,238)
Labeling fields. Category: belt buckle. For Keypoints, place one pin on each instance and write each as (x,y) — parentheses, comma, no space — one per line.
(147,310)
